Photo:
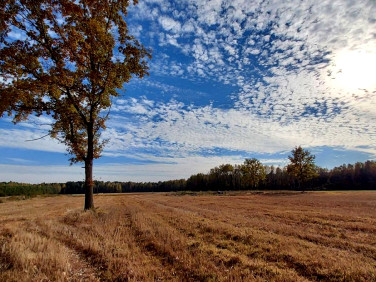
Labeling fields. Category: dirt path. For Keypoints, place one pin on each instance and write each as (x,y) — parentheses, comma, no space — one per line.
(80,269)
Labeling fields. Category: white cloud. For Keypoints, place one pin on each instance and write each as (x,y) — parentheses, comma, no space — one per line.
(136,30)
(184,131)
(170,24)
(188,27)
(38,174)
(18,138)
(21,161)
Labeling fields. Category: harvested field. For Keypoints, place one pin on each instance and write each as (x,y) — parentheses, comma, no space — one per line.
(170,237)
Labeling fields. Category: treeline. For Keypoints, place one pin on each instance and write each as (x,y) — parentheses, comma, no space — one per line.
(126,187)
(250,175)
(15,188)
(77,187)
(359,176)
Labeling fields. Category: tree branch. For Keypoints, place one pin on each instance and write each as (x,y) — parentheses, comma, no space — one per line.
(83,117)
(38,138)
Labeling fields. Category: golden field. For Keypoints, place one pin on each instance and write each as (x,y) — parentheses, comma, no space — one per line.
(172,237)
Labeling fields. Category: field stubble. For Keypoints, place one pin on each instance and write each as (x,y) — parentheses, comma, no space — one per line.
(159,237)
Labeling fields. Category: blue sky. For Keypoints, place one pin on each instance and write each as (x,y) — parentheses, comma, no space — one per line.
(228,80)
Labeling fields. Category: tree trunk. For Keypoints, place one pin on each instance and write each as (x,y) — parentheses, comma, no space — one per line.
(89,201)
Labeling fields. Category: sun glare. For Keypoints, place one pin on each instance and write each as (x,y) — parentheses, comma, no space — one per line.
(355,70)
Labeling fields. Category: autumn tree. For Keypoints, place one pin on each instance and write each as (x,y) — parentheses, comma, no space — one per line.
(222,176)
(302,165)
(67,61)
(253,172)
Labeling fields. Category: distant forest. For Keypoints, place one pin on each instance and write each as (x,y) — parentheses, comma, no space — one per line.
(359,176)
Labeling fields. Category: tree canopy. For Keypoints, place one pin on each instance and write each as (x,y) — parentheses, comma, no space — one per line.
(67,61)
(302,165)
(253,171)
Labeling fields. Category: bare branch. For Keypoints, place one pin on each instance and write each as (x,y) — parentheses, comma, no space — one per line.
(37,138)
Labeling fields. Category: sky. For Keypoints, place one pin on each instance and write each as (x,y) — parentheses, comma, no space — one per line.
(228,80)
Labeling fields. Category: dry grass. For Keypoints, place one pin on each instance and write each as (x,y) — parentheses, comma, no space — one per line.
(148,237)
